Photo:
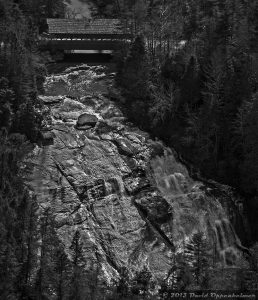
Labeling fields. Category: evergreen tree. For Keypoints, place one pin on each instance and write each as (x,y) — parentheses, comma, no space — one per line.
(142,282)
(16,211)
(63,274)
(19,67)
(54,270)
(78,262)
(28,244)
(6,103)
(124,283)
(248,125)
(197,256)
(135,75)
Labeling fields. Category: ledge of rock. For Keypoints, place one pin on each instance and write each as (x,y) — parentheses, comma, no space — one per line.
(51,99)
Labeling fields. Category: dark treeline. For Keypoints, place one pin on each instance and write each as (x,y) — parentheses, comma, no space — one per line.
(190,78)
(28,247)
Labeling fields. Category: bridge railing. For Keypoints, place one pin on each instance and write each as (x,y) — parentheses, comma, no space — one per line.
(81,44)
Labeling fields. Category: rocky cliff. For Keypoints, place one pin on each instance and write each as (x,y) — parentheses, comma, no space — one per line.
(133,202)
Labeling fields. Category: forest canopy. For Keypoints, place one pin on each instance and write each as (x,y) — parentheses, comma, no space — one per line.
(189,77)
(198,73)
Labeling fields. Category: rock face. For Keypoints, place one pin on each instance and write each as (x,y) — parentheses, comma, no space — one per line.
(132,201)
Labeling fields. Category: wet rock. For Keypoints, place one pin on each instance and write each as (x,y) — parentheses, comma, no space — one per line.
(86,121)
(51,99)
(125,147)
(155,207)
(104,128)
(72,105)
(84,127)
(135,185)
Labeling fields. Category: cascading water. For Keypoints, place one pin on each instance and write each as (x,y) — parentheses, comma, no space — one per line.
(193,210)
(226,242)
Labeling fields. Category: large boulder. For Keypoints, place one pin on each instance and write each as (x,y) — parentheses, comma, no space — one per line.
(86,121)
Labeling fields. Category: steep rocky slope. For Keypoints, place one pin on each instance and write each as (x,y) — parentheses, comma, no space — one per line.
(132,201)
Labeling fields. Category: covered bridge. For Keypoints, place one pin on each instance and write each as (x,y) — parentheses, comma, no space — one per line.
(95,34)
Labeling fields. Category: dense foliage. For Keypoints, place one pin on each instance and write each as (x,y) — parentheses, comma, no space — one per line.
(199,81)
(21,77)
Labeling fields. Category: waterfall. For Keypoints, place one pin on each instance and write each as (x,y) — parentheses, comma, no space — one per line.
(193,209)
(226,241)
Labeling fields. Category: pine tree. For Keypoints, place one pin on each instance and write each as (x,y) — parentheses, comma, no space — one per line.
(197,256)
(135,76)
(9,268)
(14,208)
(28,243)
(179,277)
(6,102)
(124,283)
(248,129)
(142,282)
(78,262)
(48,275)
(62,273)
(20,68)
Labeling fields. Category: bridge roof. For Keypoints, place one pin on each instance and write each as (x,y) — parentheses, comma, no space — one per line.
(94,26)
